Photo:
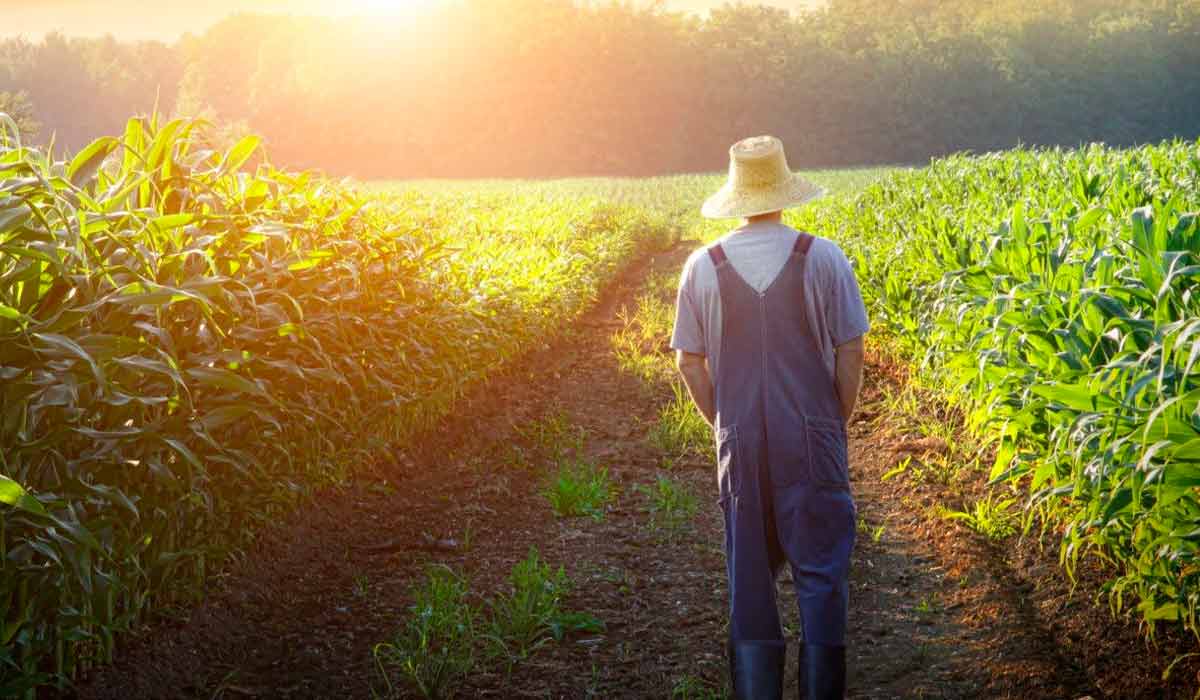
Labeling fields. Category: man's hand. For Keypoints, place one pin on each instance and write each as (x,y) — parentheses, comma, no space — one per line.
(694,369)
(849,374)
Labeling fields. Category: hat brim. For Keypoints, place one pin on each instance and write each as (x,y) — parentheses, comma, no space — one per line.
(730,203)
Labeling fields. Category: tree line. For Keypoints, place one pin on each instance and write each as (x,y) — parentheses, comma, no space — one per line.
(549,87)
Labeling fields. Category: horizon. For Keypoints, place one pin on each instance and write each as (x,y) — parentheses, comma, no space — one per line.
(125,20)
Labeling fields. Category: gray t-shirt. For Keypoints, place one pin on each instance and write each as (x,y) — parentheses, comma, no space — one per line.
(757,253)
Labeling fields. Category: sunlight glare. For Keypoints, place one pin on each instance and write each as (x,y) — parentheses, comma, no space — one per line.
(391,7)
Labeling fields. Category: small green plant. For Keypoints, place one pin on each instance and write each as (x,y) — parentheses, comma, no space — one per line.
(435,650)
(989,517)
(671,506)
(555,436)
(579,487)
(874,532)
(530,614)
(901,467)
(693,688)
(926,606)
(593,686)
(680,430)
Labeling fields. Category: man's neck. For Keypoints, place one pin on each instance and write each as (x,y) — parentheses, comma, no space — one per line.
(771,217)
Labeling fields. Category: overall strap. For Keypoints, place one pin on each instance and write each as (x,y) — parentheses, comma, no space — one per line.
(717,253)
(803,242)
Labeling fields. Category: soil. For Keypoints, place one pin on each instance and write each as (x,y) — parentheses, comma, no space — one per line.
(936,610)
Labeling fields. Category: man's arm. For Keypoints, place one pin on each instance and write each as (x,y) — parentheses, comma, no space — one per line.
(849,358)
(694,369)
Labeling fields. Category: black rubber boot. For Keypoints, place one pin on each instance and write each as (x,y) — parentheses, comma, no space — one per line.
(756,670)
(822,672)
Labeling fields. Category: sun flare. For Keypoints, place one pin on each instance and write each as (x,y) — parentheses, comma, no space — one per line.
(388,7)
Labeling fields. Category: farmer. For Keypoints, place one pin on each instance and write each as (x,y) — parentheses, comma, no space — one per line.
(768,332)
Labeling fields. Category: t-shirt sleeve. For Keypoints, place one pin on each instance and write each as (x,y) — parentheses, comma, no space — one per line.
(688,334)
(845,312)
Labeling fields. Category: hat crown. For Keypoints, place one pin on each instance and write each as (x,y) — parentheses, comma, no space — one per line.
(759,182)
(758,162)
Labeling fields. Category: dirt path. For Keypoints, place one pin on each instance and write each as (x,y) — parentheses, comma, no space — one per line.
(935,614)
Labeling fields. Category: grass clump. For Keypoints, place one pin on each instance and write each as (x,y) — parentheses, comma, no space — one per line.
(446,637)
(989,517)
(579,487)
(435,650)
(554,435)
(640,344)
(680,430)
(671,505)
(693,688)
(531,612)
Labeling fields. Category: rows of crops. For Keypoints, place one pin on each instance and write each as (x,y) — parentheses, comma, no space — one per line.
(1055,294)
(191,340)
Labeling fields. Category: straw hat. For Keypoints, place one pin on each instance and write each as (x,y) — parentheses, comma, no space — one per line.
(759,182)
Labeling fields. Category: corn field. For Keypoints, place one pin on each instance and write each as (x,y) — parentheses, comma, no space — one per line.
(1054,294)
(191,341)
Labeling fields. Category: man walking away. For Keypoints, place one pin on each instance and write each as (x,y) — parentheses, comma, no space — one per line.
(768,332)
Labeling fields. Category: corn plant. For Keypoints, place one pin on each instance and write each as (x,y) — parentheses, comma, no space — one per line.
(1052,295)
(191,340)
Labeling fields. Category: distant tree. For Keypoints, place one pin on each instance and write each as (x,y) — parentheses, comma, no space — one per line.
(83,88)
(556,87)
(18,107)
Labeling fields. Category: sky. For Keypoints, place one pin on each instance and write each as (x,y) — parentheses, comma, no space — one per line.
(167,20)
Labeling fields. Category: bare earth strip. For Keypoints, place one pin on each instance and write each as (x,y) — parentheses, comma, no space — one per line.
(936,613)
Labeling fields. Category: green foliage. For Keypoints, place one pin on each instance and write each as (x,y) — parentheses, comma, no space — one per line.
(681,431)
(192,340)
(579,487)
(670,504)
(531,613)
(1051,295)
(435,650)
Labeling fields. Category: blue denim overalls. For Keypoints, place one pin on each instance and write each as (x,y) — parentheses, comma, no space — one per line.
(782,461)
